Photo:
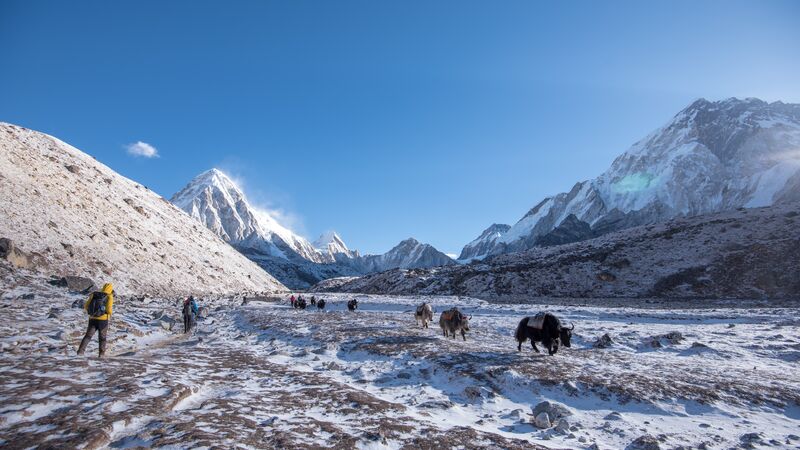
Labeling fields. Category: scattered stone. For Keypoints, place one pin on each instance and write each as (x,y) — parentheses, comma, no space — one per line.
(731,325)
(613,416)
(603,341)
(751,438)
(404,375)
(671,338)
(554,410)
(10,253)
(645,442)
(78,303)
(562,426)
(542,421)
(594,447)
(28,297)
(269,421)
(606,276)
(699,345)
(472,392)
(72,168)
(582,439)
(437,404)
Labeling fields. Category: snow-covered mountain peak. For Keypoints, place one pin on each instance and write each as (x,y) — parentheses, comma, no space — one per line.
(216,200)
(331,245)
(712,156)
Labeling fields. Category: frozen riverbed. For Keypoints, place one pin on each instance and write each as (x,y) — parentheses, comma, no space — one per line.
(265,375)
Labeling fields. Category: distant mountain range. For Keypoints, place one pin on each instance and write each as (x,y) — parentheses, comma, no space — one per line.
(711,157)
(216,201)
(741,254)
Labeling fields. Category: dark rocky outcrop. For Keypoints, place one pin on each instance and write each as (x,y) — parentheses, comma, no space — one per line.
(12,254)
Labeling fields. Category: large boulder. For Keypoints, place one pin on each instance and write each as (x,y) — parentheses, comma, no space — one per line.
(10,253)
(555,411)
(542,421)
(75,284)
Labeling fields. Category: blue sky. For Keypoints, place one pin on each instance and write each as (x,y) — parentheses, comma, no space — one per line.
(383,120)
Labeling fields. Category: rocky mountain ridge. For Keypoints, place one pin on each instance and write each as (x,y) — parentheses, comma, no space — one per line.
(711,157)
(740,254)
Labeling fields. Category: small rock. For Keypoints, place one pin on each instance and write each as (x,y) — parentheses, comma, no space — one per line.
(437,404)
(269,421)
(613,416)
(72,168)
(750,438)
(699,345)
(28,296)
(603,341)
(404,375)
(645,442)
(594,447)
(582,439)
(78,303)
(471,392)
(562,426)
(542,421)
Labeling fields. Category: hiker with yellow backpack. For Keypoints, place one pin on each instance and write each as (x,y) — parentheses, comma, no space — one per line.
(99,306)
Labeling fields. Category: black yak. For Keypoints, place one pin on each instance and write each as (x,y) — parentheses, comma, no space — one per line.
(545,328)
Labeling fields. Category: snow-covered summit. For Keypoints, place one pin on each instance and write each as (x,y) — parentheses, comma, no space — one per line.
(216,201)
(480,246)
(711,157)
(332,246)
(408,254)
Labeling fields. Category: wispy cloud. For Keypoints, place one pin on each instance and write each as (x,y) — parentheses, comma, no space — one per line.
(142,149)
(264,202)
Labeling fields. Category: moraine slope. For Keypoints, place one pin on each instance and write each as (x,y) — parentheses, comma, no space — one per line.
(76,216)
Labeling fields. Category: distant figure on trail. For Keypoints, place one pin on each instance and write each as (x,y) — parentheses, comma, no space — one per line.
(99,306)
(292,300)
(313,301)
(189,313)
(321,304)
(352,305)
(301,303)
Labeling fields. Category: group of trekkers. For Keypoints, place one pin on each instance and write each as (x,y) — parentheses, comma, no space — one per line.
(100,305)
(300,302)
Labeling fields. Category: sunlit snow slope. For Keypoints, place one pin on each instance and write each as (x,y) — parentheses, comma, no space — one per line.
(79,217)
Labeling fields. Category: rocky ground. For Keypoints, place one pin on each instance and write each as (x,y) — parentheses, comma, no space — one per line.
(262,375)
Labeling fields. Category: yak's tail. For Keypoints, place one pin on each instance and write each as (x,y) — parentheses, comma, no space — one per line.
(519,335)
